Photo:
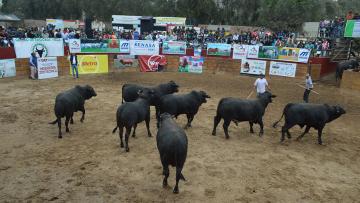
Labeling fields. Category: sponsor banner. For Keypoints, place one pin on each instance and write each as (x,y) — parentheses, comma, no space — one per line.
(197,51)
(144,47)
(268,52)
(253,51)
(240,51)
(128,20)
(152,63)
(7,68)
(92,64)
(174,47)
(75,45)
(164,21)
(191,64)
(125,61)
(304,55)
(253,67)
(56,23)
(282,69)
(215,49)
(100,46)
(289,54)
(124,46)
(352,28)
(47,68)
(42,47)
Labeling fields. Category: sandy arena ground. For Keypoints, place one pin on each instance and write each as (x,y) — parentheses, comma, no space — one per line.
(87,165)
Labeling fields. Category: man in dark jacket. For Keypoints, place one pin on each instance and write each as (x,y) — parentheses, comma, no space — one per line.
(74,65)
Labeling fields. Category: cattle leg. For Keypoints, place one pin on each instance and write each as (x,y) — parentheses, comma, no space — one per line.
(83,114)
(147,122)
(59,125)
(166,172)
(190,119)
(71,120)
(121,131)
(127,135)
(226,126)
(307,129)
(261,127)
(285,129)
(178,177)
(251,127)
(319,135)
(67,119)
(217,120)
(134,133)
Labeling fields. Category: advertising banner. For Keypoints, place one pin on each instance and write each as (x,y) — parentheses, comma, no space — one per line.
(253,67)
(125,61)
(152,63)
(7,68)
(304,55)
(268,52)
(164,21)
(352,28)
(75,45)
(174,47)
(240,51)
(47,68)
(124,46)
(55,23)
(42,47)
(253,51)
(289,54)
(216,49)
(128,20)
(92,64)
(100,46)
(282,69)
(144,47)
(191,64)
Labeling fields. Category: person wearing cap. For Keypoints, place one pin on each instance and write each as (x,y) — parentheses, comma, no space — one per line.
(261,85)
(308,88)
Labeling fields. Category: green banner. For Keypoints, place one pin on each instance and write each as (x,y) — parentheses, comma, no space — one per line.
(352,28)
(100,46)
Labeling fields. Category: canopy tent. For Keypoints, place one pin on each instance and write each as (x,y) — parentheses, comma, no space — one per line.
(8,18)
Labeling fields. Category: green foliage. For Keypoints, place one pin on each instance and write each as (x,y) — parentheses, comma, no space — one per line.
(276,14)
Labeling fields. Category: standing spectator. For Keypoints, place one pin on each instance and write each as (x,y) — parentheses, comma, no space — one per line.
(325,46)
(261,85)
(309,87)
(136,35)
(74,65)
(33,66)
(349,15)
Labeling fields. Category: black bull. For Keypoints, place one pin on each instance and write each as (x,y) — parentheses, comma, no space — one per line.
(345,65)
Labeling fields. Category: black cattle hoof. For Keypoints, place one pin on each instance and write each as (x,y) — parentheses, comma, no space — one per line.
(127,150)
(67,130)
(252,132)
(121,146)
(176,191)
(133,135)
(82,120)
(149,135)
(214,134)
(165,184)
(60,137)
(227,137)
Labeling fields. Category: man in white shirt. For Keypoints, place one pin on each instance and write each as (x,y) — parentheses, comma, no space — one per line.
(261,85)
(309,87)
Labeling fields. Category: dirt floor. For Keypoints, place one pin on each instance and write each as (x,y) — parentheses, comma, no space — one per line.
(87,165)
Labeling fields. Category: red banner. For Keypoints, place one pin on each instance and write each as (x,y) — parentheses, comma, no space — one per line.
(151,63)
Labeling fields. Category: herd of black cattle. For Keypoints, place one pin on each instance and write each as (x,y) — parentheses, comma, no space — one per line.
(171,139)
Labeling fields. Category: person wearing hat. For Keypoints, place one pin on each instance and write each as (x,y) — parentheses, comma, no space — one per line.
(261,85)
(308,88)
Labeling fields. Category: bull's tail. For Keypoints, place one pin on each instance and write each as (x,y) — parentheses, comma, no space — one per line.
(282,116)
(54,122)
(115,129)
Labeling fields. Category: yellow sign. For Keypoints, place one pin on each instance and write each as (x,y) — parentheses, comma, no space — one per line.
(289,54)
(93,64)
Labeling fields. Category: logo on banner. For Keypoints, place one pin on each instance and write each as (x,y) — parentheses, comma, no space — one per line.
(89,64)
(154,61)
(40,50)
(304,55)
(125,45)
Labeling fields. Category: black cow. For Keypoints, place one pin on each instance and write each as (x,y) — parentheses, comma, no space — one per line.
(345,65)
(239,110)
(130,91)
(172,145)
(130,114)
(183,104)
(309,115)
(71,101)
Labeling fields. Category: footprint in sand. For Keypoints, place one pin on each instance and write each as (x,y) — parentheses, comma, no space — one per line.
(209,193)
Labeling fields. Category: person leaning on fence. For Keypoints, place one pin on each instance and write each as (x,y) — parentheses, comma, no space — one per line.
(261,85)
(33,66)
(308,88)
(74,65)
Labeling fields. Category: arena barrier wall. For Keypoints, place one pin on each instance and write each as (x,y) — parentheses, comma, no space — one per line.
(350,80)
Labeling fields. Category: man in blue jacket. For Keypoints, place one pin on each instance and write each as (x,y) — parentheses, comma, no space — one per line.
(74,65)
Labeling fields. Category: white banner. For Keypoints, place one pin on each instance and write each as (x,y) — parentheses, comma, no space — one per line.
(47,68)
(42,47)
(75,45)
(7,68)
(124,46)
(253,67)
(304,55)
(253,51)
(240,51)
(128,20)
(144,47)
(282,69)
